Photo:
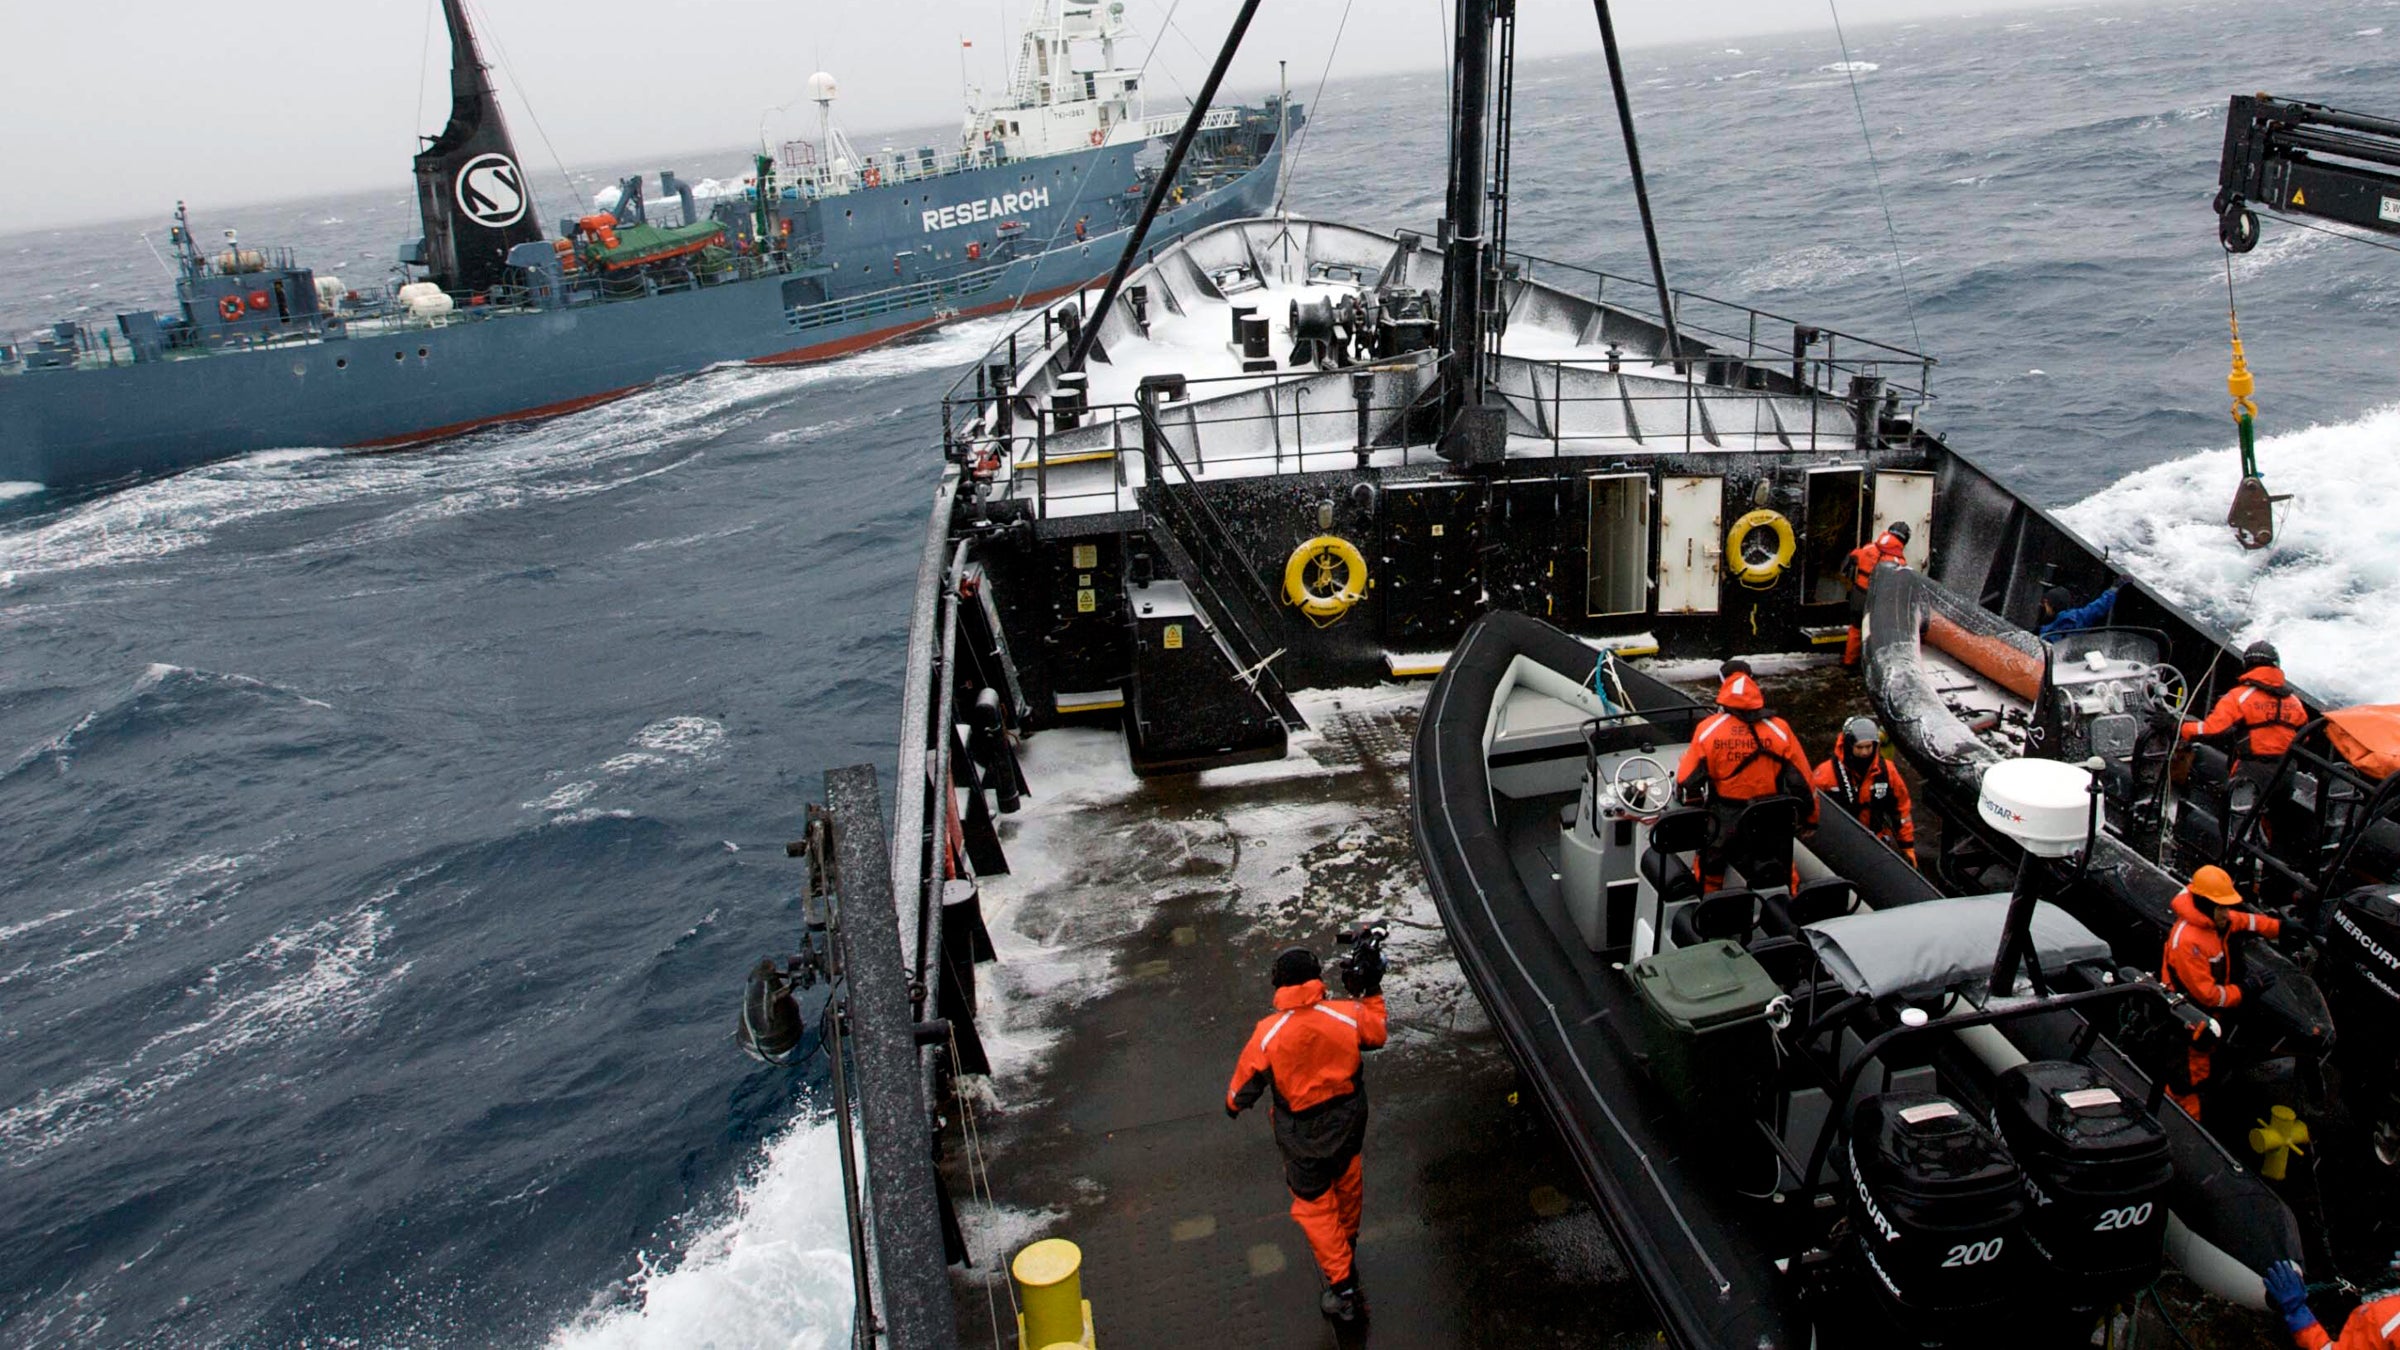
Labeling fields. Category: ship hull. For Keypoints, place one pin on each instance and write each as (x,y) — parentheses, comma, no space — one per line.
(384,390)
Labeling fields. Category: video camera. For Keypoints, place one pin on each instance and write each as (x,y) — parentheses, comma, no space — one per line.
(1363,966)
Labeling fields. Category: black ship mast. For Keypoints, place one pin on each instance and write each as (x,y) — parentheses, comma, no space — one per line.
(472,194)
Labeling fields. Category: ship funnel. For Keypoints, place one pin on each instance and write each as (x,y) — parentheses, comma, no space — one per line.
(472,194)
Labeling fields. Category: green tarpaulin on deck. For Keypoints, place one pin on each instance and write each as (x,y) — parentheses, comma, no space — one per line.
(637,244)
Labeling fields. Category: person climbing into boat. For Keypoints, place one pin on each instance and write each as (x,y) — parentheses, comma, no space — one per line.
(1737,756)
(1858,776)
(2374,1324)
(1307,1054)
(2256,719)
(2061,615)
(2197,964)
(1890,546)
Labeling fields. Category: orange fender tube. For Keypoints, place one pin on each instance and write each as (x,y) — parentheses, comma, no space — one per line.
(2013,670)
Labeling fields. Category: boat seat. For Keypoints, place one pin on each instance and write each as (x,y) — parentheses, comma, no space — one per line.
(1761,847)
(1719,915)
(1675,833)
(1823,898)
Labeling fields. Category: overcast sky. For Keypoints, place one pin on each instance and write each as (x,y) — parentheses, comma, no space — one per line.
(119,107)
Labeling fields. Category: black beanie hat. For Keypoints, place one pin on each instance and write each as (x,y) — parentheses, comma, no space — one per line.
(1296,965)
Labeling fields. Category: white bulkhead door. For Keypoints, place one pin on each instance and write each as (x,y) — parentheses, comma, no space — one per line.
(1691,543)
(1906,495)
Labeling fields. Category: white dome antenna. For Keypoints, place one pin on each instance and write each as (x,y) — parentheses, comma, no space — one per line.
(823,88)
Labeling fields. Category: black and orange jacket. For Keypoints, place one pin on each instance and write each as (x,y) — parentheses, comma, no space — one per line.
(2256,719)
(1307,1053)
(2373,1325)
(2195,955)
(1887,812)
(1741,761)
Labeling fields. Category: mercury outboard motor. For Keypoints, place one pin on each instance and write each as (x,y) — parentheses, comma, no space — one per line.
(2096,1168)
(2360,970)
(771,1026)
(1936,1214)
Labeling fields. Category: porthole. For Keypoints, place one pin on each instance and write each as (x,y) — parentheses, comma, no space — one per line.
(422,353)
(341,363)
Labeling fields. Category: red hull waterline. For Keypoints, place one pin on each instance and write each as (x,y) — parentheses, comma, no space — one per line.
(824,351)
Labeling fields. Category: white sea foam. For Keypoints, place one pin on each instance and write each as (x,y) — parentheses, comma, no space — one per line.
(11,489)
(1850,68)
(602,450)
(2324,593)
(306,980)
(772,1271)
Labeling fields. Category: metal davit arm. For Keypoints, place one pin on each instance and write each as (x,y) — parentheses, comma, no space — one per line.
(1164,185)
(2305,159)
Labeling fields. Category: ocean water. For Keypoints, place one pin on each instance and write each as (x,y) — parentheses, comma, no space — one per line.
(387,836)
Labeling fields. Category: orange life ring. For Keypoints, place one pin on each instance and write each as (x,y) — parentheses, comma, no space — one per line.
(259,300)
(230,308)
(1099,137)
(874,176)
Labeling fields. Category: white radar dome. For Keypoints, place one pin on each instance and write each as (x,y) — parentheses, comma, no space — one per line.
(823,88)
(2041,803)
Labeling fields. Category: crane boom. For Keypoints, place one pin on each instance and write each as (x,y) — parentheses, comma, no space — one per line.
(2305,159)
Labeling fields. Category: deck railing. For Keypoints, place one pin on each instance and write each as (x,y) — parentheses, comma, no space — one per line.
(1216,436)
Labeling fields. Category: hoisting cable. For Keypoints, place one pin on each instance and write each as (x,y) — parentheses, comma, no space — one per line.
(1875,171)
(525,97)
(1291,158)
(2239,382)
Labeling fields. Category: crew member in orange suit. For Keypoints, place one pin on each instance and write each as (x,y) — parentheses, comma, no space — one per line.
(1737,756)
(1890,546)
(1306,1054)
(1859,777)
(2256,719)
(2374,1324)
(2196,964)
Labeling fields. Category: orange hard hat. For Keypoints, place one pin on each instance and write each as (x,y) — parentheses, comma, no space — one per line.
(1740,690)
(2212,884)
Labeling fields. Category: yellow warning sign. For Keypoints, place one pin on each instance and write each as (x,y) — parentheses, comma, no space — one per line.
(1437,531)
(1174,638)
(1087,557)
(2299,197)
(1086,601)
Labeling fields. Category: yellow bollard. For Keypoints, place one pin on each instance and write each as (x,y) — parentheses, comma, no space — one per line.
(2276,1139)
(1049,1277)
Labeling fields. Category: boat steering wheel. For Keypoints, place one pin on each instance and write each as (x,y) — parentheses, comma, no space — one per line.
(1634,791)
(2164,685)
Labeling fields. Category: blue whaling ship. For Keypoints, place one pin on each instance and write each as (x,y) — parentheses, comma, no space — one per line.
(821,251)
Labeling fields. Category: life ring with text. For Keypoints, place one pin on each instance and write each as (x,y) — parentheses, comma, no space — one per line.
(874,176)
(1325,576)
(1099,137)
(230,308)
(1759,569)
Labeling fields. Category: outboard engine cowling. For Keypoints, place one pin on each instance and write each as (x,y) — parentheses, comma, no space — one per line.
(2096,1169)
(1936,1208)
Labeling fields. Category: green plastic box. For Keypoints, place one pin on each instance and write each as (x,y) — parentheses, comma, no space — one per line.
(1710,1047)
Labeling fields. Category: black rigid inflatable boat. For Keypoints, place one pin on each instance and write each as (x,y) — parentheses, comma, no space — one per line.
(1799,1108)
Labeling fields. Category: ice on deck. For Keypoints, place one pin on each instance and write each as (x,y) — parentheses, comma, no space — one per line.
(1579,378)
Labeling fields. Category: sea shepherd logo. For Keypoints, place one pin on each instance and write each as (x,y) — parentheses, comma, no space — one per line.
(491,190)
(990,208)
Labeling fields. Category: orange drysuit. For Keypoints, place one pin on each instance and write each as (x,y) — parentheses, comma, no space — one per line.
(1306,1053)
(1860,568)
(2256,719)
(2195,963)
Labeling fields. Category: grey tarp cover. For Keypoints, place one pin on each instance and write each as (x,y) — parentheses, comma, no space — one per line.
(1937,943)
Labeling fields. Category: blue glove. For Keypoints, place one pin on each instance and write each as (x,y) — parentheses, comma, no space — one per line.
(2288,1294)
